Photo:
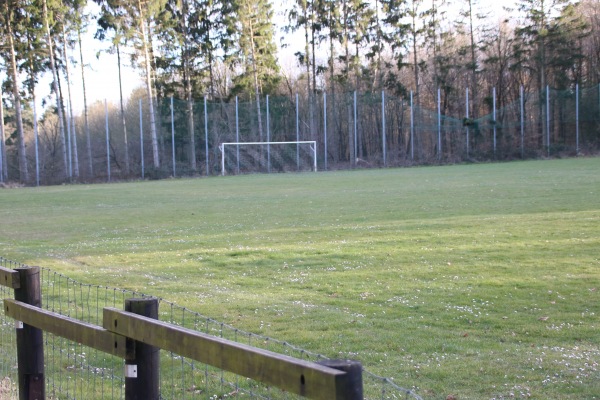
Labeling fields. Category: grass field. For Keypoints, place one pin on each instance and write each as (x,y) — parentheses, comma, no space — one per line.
(480,281)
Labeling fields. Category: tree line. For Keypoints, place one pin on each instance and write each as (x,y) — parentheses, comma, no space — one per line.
(219,50)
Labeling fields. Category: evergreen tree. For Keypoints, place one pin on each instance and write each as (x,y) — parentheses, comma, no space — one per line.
(13,17)
(48,17)
(396,36)
(256,58)
(136,20)
(536,34)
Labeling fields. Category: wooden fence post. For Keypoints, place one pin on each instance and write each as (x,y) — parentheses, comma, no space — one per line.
(30,341)
(350,386)
(142,370)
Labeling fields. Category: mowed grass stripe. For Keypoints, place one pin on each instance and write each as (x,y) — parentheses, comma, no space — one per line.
(473,280)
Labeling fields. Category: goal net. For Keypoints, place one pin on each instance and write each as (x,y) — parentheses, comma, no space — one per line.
(267,157)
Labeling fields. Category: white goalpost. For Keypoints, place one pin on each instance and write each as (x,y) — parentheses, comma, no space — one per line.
(257,150)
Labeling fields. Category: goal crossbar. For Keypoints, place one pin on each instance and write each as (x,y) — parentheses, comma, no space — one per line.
(313,147)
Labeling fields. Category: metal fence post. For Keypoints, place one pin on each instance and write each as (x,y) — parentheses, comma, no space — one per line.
(577,119)
(412,128)
(297,132)
(268,136)
(141,141)
(350,386)
(467,113)
(494,118)
(439,123)
(206,137)
(325,130)
(548,118)
(107,139)
(36,143)
(237,137)
(173,139)
(383,138)
(142,370)
(30,341)
(522,122)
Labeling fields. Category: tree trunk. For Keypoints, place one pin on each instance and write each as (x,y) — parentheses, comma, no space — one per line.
(313,44)
(149,88)
(23,171)
(378,81)
(188,89)
(346,41)
(59,107)
(307,62)
(417,99)
(336,144)
(434,34)
(190,115)
(473,63)
(127,167)
(71,119)
(85,109)
(415,55)
(256,83)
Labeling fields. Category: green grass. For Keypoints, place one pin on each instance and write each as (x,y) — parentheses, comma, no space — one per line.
(481,281)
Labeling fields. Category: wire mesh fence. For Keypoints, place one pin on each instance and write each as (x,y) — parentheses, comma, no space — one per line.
(369,129)
(75,371)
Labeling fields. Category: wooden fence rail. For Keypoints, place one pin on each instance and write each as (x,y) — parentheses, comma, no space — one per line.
(136,335)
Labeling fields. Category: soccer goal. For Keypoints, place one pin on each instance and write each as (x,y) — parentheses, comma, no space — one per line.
(267,157)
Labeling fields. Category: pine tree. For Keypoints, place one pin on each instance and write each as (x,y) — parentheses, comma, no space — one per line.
(55,85)
(536,35)
(13,16)
(396,37)
(80,26)
(255,32)
(135,19)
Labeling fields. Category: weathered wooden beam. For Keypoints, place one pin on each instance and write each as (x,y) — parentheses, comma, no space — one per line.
(10,278)
(144,383)
(290,374)
(30,339)
(69,328)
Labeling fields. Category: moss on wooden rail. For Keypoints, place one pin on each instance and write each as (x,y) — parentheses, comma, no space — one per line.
(9,278)
(78,331)
(293,375)
(290,374)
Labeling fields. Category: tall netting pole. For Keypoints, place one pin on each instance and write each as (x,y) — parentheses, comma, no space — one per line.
(355,129)
(237,135)
(206,136)
(522,122)
(36,139)
(494,117)
(268,137)
(142,140)
(173,138)
(577,119)
(325,130)
(548,118)
(383,139)
(439,123)
(467,116)
(69,149)
(107,139)
(412,128)
(297,132)
(222,148)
